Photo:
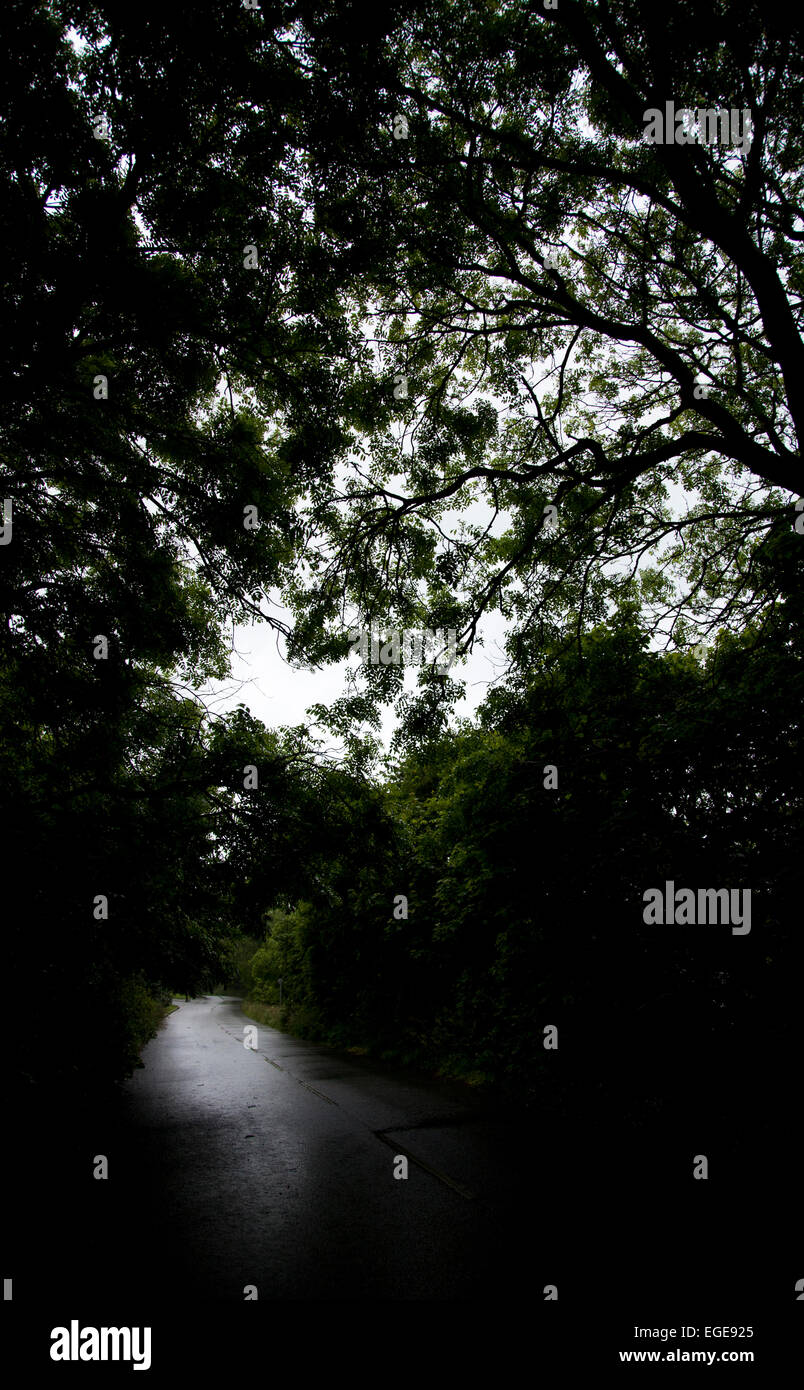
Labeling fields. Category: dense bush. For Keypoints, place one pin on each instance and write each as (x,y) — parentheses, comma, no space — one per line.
(525,900)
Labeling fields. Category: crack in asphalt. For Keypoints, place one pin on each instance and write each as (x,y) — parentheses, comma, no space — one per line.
(458,1187)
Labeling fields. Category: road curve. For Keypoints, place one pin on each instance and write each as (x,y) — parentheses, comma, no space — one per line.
(273,1167)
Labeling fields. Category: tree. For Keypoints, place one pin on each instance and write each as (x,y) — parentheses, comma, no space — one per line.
(584,321)
(147,504)
(238,245)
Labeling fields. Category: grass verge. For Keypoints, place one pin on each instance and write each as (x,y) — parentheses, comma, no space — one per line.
(303,1024)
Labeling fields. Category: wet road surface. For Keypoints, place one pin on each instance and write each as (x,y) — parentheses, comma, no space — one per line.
(272,1169)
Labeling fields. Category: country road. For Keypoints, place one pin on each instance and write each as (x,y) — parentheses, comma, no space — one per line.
(276,1168)
(271,1169)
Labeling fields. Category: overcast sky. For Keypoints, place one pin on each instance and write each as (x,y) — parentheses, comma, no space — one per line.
(278,694)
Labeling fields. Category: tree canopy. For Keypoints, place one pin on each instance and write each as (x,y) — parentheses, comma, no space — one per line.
(584,320)
(311,318)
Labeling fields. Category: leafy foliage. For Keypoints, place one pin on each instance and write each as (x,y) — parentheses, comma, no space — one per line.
(526,901)
(218,259)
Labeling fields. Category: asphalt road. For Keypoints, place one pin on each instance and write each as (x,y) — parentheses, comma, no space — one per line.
(272,1168)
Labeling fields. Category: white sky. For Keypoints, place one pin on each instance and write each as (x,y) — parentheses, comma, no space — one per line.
(278,694)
